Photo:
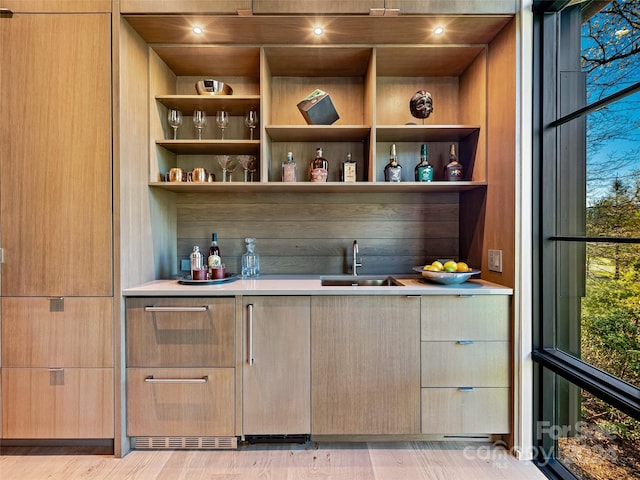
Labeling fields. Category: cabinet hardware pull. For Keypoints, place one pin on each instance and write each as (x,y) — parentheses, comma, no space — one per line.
(466,389)
(150,379)
(465,342)
(204,308)
(56,369)
(6,12)
(465,296)
(250,360)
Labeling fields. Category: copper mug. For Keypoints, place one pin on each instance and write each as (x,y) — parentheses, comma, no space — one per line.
(174,175)
(197,175)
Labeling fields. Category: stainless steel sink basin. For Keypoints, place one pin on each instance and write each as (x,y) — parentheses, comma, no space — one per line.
(359,281)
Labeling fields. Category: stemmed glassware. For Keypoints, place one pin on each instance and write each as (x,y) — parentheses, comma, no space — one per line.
(174,117)
(251,121)
(228,166)
(199,121)
(248,163)
(222,120)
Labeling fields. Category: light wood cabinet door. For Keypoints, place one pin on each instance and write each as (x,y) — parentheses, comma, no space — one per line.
(473,317)
(180,332)
(67,332)
(57,403)
(180,401)
(55,155)
(276,383)
(365,365)
(184,6)
(341,7)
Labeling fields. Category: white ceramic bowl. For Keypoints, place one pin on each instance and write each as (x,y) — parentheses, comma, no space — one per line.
(446,278)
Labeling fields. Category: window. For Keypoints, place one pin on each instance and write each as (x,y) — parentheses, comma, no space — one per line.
(587,228)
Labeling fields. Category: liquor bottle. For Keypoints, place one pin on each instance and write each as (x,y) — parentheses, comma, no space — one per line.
(196,260)
(424,171)
(393,170)
(348,171)
(213,260)
(250,260)
(319,167)
(289,169)
(453,170)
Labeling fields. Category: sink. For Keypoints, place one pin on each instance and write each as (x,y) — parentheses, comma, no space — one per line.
(359,281)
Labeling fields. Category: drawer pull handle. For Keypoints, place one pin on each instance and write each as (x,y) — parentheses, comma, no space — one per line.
(250,360)
(204,308)
(6,11)
(56,369)
(465,342)
(150,379)
(466,389)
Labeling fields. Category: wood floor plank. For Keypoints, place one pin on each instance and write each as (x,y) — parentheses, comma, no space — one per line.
(311,461)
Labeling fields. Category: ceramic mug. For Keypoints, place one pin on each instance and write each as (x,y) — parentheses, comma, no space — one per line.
(174,175)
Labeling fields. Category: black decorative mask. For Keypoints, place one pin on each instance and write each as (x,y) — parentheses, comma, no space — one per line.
(421,104)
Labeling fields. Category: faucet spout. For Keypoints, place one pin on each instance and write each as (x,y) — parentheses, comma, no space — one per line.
(355,264)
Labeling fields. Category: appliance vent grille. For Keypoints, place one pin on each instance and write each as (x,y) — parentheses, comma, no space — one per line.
(190,443)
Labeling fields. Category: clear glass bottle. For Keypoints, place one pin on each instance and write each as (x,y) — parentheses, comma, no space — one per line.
(393,170)
(250,260)
(289,169)
(453,170)
(348,171)
(424,171)
(318,168)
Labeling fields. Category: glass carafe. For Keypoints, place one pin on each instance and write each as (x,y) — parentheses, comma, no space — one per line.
(250,260)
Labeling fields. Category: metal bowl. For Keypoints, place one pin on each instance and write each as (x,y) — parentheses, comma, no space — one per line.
(209,86)
(446,278)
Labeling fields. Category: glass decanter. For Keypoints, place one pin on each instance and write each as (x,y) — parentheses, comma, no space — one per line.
(250,260)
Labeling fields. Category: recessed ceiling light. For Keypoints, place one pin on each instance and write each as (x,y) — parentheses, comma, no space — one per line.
(438,30)
(197,30)
(318,30)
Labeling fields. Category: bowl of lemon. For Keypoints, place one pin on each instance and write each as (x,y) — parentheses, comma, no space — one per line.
(447,273)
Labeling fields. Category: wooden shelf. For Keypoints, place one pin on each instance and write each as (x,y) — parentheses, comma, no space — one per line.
(236,105)
(308,187)
(425,133)
(205,147)
(320,133)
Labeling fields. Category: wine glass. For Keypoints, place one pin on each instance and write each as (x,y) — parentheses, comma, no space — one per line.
(251,121)
(222,119)
(248,163)
(199,121)
(227,164)
(174,117)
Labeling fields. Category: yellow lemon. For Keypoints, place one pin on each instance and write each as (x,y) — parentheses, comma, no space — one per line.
(439,267)
(431,268)
(451,266)
(463,267)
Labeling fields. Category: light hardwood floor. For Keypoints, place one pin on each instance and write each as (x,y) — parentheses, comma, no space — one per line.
(313,461)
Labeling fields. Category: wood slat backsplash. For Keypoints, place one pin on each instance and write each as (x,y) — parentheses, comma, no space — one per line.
(313,233)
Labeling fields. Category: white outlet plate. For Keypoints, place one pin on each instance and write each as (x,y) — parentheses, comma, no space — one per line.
(495,260)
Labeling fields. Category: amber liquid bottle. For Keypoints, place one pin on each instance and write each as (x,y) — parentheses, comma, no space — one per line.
(393,170)
(453,170)
(319,167)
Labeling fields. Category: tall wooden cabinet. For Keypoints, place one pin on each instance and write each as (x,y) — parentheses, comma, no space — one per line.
(56,223)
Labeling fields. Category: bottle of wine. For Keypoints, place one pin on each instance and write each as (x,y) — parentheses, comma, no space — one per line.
(424,171)
(289,169)
(319,167)
(453,170)
(213,260)
(348,172)
(393,170)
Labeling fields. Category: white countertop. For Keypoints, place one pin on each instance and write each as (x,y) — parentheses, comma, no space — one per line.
(310,285)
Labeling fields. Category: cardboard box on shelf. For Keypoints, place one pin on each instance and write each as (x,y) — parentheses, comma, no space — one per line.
(317,108)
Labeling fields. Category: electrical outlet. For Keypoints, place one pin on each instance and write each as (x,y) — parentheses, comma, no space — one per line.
(185,265)
(495,260)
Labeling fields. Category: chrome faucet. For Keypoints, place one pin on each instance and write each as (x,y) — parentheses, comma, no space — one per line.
(355,258)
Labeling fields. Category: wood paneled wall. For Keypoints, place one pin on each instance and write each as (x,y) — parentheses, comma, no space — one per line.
(313,233)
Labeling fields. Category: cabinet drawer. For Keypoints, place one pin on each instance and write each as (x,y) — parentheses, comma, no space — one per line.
(180,401)
(57,403)
(181,332)
(478,317)
(68,332)
(456,411)
(462,364)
